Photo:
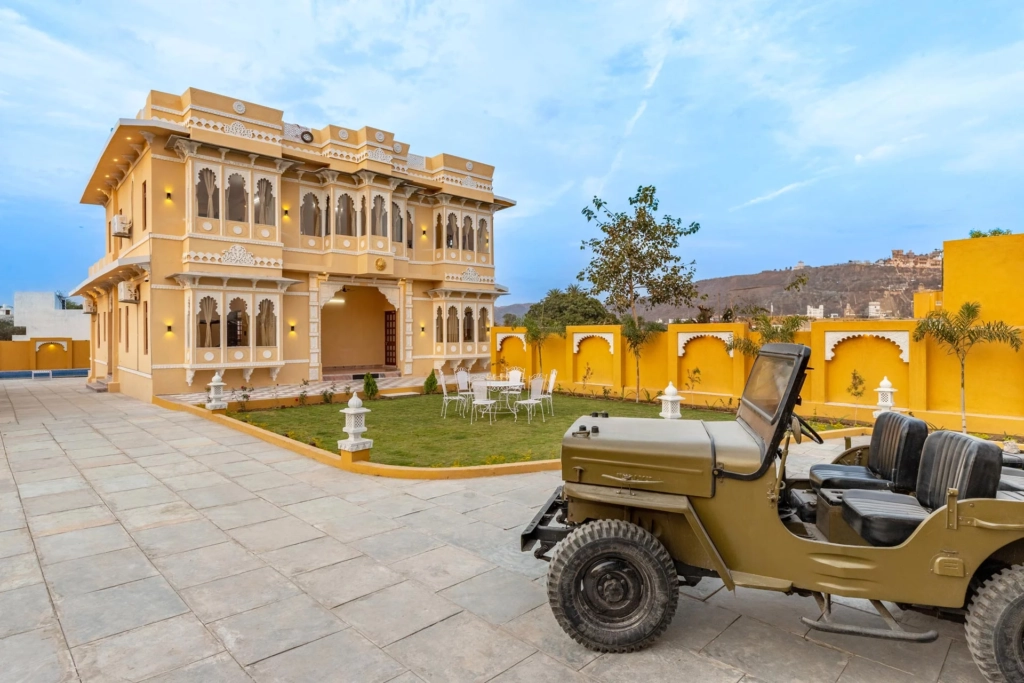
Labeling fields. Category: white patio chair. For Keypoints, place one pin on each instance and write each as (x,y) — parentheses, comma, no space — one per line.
(449,398)
(481,403)
(515,390)
(549,395)
(462,384)
(536,392)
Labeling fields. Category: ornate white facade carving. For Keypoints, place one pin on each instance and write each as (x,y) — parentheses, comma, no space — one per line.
(235,128)
(468,275)
(686,337)
(235,255)
(377,154)
(416,162)
(900,338)
(502,336)
(293,132)
(391,293)
(578,337)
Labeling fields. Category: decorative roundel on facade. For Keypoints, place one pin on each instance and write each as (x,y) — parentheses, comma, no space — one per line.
(208,356)
(343,134)
(453,255)
(438,349)
(483,347)
(238,107)
(469,348)
(362,244)
(483,259)
(267,354)
(265,233)
(454,347)
(380,245)
(397,148)
(469,257)
(380,264)
(311,243)
(207,225)
(379,136)
(306,136)
(327,243)
(239,355)
(237,229)
(346,243)
(469,165)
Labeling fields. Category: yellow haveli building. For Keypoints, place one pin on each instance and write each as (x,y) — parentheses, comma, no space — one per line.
(273,252)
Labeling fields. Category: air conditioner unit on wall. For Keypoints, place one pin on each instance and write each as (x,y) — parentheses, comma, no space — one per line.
(89,306)
(127,293)
(121,226)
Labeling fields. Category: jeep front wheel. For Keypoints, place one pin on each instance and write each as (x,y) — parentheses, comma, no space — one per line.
(995,626)
(612,586)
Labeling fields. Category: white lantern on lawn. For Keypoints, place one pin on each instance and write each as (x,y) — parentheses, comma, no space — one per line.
(885,398)
(216,401)
(355,426)
(670,399)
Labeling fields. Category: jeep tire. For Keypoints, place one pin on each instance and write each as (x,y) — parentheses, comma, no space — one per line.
(612,586)
(995,626)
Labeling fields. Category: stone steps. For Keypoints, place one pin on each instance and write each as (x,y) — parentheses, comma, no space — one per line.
(99,386)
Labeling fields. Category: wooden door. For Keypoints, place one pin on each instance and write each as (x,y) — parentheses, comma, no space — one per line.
(390,338)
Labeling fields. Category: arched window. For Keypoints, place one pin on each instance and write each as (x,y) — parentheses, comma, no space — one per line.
(467,233)
(467,325)
(344,217)
(439,332)
(483,239)
(238,323)
(266,324)
(378,218)
(237,198)
(408,232)
(309,216)
(207,194)
(453,324)
(208,323)
(397,233)
(362,218)
(483,334)
(263,211)
(451,237)
(438,239)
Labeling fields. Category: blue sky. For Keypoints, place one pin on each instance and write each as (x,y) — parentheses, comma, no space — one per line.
(814,131)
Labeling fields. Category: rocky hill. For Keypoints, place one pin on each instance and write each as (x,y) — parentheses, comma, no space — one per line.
(841,290)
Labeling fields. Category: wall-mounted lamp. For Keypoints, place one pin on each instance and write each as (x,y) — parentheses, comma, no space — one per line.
(423,328)
(286,212)
(169,328)
(424,232)
(168,195)
(293,328)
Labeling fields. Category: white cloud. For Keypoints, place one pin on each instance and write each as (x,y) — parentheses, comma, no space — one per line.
(636,117)
(775,194)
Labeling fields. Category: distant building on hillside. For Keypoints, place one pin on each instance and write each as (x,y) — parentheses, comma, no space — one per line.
(848,312)
(800,265)
(874,309)
(908,259)
(816,311)
(6,311)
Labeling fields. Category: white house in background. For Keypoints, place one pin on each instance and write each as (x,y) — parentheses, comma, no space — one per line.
(5,310)
(816,311)
(874,309)
(42,314)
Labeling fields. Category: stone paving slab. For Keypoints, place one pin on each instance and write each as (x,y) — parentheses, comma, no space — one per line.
(138,543)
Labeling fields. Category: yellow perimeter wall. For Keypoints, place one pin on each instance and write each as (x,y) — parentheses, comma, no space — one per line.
(51,353)
(926,378)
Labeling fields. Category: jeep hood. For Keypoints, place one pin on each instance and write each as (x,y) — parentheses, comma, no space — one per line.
(668,456)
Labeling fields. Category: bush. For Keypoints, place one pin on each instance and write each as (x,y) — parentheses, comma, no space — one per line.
(430,385)
(370,390)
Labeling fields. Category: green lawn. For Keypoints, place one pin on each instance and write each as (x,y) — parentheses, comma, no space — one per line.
(410,431)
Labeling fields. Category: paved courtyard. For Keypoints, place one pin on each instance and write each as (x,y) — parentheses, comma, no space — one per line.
(138,543)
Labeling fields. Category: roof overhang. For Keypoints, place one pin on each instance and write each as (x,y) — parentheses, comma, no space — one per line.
(123,148)
(191,278)
(121,270)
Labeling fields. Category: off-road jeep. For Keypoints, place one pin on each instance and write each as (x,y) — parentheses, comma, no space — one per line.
(648,505)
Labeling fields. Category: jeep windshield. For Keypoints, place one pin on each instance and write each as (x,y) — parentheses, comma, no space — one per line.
(772,390)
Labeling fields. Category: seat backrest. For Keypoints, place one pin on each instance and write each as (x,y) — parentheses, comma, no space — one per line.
(515,376)
(896,443)
(551,382)
(536,388)
(462,379)
(479,391)
(953,460)
(440,382)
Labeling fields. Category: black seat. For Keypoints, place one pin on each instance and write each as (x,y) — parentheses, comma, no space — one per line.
(895,454)
(949,460)
(1014,460)
(1011,479)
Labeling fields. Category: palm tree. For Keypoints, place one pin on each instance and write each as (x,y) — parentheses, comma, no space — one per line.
(771,330)
(959,332)
(637,333)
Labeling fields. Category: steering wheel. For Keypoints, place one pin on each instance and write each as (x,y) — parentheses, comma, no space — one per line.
(808,431)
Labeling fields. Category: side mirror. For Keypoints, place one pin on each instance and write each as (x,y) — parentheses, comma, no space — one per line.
(794,426)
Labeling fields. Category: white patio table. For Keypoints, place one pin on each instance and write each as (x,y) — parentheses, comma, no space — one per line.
(502,385)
